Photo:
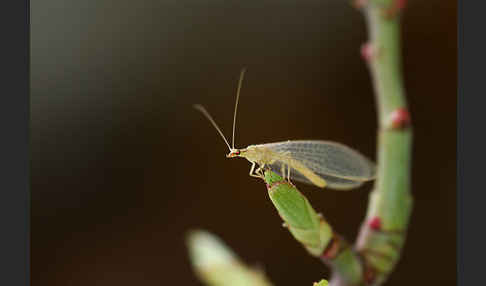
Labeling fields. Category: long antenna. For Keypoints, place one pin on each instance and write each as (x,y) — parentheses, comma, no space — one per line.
(242,75)
(208,116)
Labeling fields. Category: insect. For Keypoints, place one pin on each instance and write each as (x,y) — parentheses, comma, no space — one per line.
(321,163)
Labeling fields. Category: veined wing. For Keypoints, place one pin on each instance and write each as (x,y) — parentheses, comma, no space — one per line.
(331,182)
(339,165)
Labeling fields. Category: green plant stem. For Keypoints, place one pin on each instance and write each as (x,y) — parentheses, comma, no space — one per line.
(390,202)
(311,229)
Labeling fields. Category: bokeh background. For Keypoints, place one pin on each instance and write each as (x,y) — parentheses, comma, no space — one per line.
(123,167)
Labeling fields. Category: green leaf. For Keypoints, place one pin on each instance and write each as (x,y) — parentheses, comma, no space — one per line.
(303,222)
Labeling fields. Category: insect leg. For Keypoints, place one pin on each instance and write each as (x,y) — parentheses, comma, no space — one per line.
(286,163)
(252,169)
(257,173)
(288,173)
(282,170)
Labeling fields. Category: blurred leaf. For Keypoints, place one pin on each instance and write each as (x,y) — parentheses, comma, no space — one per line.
(321,283)
(216,265)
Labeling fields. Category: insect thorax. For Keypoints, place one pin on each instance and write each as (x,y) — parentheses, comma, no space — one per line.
(260,154)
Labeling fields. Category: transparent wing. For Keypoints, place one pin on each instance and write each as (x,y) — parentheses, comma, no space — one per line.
(332,182)
(332,161)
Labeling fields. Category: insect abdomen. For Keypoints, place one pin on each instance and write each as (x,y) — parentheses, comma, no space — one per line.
(313,177)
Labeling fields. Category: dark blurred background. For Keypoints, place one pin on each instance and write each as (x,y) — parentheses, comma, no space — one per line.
(122,166)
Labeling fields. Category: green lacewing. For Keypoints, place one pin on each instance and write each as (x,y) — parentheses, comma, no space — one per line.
(317,162)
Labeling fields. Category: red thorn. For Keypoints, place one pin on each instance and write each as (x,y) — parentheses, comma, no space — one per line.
(375,223)
(359,3)
(400,118)
(395,8)
(366,51)
(400,4)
